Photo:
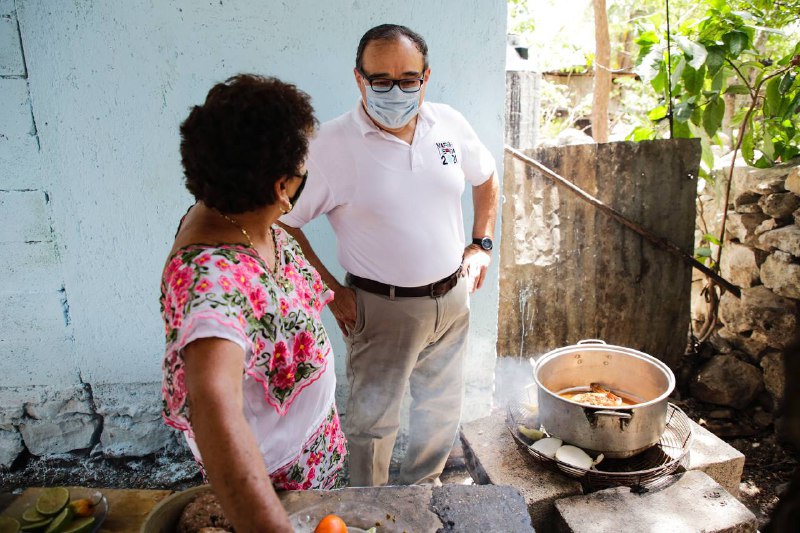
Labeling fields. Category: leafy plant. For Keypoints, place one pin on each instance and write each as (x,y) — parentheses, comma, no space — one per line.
(719,56)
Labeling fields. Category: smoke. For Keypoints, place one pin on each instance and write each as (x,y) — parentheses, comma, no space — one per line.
(513,380)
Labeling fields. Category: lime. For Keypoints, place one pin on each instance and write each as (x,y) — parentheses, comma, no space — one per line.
(32,515)
(81,525)
(60,521)
(8,525)
(36,526)
(52,500)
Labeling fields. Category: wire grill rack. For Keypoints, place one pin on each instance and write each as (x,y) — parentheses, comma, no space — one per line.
(649,470)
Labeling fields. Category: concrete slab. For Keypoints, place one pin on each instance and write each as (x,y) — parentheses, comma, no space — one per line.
(712,455)
(480,508)
(493,456)
(694,503)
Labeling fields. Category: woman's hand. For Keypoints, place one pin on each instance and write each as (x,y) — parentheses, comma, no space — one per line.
(474,266)
(343,308)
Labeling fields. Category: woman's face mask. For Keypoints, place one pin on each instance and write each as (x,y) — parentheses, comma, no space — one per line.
(393,109)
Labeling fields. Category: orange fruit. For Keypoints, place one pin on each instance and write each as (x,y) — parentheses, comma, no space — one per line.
(331,524)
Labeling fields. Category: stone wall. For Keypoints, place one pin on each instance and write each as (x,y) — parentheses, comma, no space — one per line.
(745,369)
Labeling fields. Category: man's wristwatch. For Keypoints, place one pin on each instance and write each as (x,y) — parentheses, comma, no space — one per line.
(484,242)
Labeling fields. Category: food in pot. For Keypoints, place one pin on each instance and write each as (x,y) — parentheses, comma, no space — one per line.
(598,397)
(204,511)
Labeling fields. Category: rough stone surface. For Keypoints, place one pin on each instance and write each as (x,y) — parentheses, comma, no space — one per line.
(59,435)
(749,208)
(480,508)
(786,239)
(739,264)
(793,181)
(715,457)
(493,456)
(780,204)
(694,502)
(781,275)
(760,180)
(774,376)
(763,310)
(727,380)
(10,447)
(12,402)
(128,399)
(796,216)
(768,225)
(746,198)
(55,403)
(742,227)
(124,436)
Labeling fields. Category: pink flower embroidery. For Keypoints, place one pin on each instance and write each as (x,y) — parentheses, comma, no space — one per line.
(241,278)
(280,356)
(180,280)
(222,264)
(225,283)
(303,346)
(203,259)
(178,396)
(248,263)
(258,300)
(284,378)
(204,285)
(284,307)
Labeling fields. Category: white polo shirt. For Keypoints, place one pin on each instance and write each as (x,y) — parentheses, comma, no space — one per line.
(395,208)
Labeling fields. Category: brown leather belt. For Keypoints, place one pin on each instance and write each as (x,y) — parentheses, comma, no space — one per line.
(434,290)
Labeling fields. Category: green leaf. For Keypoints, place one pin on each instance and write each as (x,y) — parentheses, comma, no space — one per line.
(652,64)
(737,89)
(693,79)
(763,162)
(736,41)
(718,81)
(677,73)
(786,82)
(712,239)
(702,252)
(658,113)
(696,52)
(715,58)
(772,97)
(642,134)
(659,82)
(768,147)
(712,116)
(647,37)
(682,111)
(681,130)
(791,109)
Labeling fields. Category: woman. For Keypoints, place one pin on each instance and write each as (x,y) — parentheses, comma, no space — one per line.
(248,369)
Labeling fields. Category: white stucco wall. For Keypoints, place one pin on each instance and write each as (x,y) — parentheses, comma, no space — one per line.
(91,190)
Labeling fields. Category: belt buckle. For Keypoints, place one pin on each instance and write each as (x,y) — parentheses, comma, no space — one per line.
(434,292)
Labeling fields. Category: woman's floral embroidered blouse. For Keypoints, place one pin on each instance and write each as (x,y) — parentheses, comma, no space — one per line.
(227,291)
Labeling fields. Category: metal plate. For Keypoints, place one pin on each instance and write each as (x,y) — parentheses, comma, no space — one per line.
(357,516)
(648,470)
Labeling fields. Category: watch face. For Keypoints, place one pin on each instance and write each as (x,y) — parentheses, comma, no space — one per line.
(486,243)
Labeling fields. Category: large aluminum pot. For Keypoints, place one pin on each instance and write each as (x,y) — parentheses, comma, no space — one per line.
(616,432)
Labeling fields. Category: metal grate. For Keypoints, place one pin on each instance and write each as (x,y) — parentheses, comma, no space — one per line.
(646,471)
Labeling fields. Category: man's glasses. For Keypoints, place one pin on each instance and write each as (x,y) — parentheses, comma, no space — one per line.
(384,85)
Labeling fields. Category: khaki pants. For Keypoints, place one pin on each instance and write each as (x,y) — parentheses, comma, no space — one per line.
(418,341)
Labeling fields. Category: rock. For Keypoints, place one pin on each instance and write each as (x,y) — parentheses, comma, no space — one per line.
(124,436)
(746,198)
(727,380)
(723,340)
(786,239)
(60,435)
(753,345)
(724,414)
(741,227)
(796,216)
(739,264)
(761,180)
(762,419)
(781,275)
(10,447)
(775,316)
(792,183)
(774,376)
(729,429)
(749,209)
(54,403)
(128,399)
(780,204)
(12,405)
(768,225)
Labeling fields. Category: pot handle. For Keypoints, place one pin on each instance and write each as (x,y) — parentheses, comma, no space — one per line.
(618,414)
(591,341)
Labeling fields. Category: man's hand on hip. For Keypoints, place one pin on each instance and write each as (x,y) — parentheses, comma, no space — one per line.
(343,308)
(474,266)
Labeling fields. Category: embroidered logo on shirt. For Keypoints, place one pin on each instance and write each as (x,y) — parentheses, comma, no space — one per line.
(447,152)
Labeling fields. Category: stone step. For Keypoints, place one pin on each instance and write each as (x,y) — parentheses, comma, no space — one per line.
(493,456)
(693,503)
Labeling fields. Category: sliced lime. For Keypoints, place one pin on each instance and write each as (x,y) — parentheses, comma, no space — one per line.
(81,525)
(51,501)
(32,515)
(36,526)
(8,524)
(60,521)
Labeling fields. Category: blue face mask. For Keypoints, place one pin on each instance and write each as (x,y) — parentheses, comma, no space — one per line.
(393,109)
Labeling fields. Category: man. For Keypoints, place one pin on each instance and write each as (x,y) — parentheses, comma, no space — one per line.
(389,175)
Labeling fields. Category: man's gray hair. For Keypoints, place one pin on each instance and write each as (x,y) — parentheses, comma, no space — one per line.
(391,32)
